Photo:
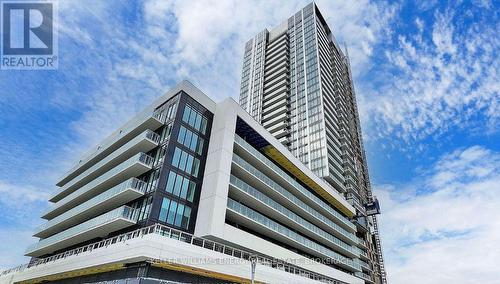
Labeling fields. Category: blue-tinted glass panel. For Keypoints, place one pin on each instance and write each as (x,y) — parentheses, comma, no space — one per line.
(203,125)
(185,115)
(189,164)
(178,215)
(182,163)
(171,212)
(199,146)
(187,141)
(194,141)
(192,118)
(197,123)
(184,190)
(196,167)
(164,209)
(191,189)
(175,159)
(178,185)
(186,217)
(182,134)
(171,182)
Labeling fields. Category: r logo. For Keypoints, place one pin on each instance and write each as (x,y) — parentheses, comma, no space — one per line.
(27,28)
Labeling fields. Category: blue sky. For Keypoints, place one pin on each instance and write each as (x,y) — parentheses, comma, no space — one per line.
(426,75)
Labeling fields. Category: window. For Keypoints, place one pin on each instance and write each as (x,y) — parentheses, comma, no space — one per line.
(165,133)
(196,167)
(182,135)
(180,186)
(190,139)
(194,119)
(170,182)
(185,115)
(164,209)
(186,162)
(191,189)
(171,212)
(184,190)
(175,213)
(186,217)
(178,215)
(182,163)
(176,158)
(199,147)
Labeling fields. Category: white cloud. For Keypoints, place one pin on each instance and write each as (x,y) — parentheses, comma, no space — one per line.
(444,226)
(432,85)
(201,41)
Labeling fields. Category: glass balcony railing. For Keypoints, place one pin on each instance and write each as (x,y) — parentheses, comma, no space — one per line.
(241,185)
(179,236)
(130,184)
(363,276)
(151,120)
(107,162)
(292,198)
(351,198)
(123,212)
(242,143)
(363,264)
(289,234)
(140,158)
(361,242)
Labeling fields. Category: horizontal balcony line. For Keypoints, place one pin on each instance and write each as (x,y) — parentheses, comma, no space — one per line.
(279,172)
(111,198)
(143,142)
(102,225)
(363,276)
(277,211)
(149,121)
(133,167)
(284,234)
(286,196)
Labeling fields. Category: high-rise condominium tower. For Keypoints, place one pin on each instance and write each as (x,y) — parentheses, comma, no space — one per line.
(297,83)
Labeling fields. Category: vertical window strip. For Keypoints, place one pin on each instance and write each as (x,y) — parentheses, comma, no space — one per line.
(186,162)
(194,119)
(180,186)
(175,213)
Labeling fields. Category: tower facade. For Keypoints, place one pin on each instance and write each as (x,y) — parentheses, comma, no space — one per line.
(296,81)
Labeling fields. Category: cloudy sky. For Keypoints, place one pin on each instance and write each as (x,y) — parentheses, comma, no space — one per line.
(427,80)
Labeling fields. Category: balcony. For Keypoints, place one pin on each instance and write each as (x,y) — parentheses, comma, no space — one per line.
(143,142)
(353,200)
(280,194)
(100,226)
(132,167)
(272,170)
(147,121)
(363,276)
(364,255)
(361,224)
(365,266)
(361,243)
(244,215)
(277,211)
(111,198)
